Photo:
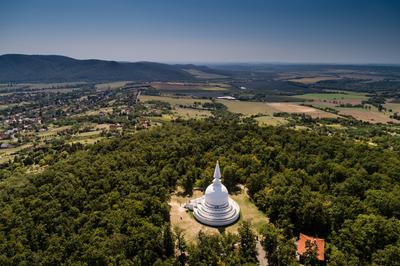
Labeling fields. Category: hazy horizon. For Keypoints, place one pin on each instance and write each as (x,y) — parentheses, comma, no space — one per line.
(206,32)
(216,62)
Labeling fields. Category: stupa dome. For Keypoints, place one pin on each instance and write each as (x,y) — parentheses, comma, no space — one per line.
(216,194)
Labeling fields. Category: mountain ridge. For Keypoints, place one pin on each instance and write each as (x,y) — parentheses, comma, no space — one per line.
(59,68)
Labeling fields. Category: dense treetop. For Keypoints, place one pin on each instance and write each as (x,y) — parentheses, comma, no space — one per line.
(108,204)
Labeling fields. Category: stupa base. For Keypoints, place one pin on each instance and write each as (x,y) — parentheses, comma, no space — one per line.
(214,215)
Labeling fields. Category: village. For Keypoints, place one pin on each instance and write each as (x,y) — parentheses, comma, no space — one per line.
(82,114)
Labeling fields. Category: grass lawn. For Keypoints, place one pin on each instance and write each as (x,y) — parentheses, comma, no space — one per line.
(271,121)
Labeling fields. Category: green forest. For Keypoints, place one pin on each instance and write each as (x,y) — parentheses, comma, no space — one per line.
(107,203)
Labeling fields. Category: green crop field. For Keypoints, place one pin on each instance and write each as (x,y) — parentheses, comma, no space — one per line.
(111,85)
(333,96)
(171,100)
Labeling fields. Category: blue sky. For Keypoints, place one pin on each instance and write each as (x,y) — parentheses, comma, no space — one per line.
(312,31)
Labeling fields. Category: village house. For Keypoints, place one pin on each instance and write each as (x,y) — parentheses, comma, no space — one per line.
(305,241)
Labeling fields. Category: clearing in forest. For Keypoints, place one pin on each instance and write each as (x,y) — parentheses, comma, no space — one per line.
(184,219)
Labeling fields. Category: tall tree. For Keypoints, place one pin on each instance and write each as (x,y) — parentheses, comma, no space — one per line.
(188,185)
(279,251)
(248,249)
(168,240)
(180,245)
(231,177)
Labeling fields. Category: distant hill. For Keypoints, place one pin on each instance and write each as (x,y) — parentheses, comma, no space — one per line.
(55,68)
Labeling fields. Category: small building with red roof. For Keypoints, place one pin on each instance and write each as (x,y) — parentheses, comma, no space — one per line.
(318,243)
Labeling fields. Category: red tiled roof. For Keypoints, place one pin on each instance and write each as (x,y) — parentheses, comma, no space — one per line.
(320,243)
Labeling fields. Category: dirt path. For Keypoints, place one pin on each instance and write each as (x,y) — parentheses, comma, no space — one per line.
(261,255)
(183,219)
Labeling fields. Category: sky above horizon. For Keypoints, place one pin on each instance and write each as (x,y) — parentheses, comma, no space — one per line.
(294,31)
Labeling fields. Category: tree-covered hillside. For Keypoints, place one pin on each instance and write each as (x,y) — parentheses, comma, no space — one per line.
(108,204)
(55,68)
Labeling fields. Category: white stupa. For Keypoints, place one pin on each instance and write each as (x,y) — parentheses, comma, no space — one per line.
(215,207)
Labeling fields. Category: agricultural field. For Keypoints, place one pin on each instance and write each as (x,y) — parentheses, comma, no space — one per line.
(86,137)
(187,113)
(204,75)
(181,113)
(308,77)
(368,113)
(300,109)
(37,86)
(311,80)
(395,107)
(246,108)
(173,100)
(345,97)
(179,86)
(265,110)
(362,76)
(34,88)
(111,85)
(267,120)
